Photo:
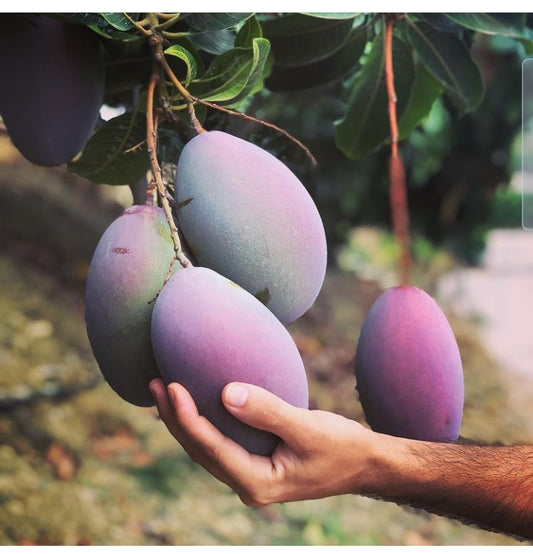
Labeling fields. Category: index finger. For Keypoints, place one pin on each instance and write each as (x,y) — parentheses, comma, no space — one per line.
(222,457)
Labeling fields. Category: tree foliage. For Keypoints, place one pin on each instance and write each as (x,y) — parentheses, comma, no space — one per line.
(229,60)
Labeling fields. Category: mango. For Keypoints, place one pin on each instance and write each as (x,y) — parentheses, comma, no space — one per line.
(52,86)
(207,331)
(127,271)
(408,368)
(245,215)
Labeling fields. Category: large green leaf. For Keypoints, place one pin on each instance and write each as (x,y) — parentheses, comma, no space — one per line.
(116,21)
(448,59)
(232,76)
(439,21)
(322,72)
(187,57)
(250,30)
(215,21)
(108,158)
(215,42)
(113,26)
(507,24)
(301,39)
(366,123)
(94,19)
(425,90)
(119,20)
(122,73)
(258,69)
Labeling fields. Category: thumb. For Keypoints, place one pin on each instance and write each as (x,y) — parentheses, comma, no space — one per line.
(263,410)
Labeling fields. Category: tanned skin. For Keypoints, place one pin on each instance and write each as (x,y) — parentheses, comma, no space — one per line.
(324,454)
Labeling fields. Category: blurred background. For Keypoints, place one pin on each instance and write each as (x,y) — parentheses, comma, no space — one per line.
(78,465)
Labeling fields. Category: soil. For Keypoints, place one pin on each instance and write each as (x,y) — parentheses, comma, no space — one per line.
(78,465)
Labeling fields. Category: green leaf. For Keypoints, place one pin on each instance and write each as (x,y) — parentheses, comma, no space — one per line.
(426,89)
(448,59)
(323,72)
(332,15)
(232,76)
(254,82)
(94,19)
(169,143)
(300,39)
(365,125)
(216,42)
(440,22)
(250,30)
(119,20)
(187,57)
(106,158)
(507,24)
(113,26)
(122,73)
(215,21)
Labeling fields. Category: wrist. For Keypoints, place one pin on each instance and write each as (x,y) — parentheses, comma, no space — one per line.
(391,469)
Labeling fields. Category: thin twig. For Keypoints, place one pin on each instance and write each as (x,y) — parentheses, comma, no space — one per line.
(260,122)
(156,171)
(160,57)
(398,187)
(180,34)
(166,24)
(191,100)
(135,147)
(167,279)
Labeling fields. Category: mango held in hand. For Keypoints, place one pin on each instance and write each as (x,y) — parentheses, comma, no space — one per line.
(408,368)
(52,85)
(244,214)
(207,331)
(127,271)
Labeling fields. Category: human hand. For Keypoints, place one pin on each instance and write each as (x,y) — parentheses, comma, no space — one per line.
(323,454)
(320,453)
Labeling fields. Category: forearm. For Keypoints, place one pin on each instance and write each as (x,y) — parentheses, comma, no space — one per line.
(491,486)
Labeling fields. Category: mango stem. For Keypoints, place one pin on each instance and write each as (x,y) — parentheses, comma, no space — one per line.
(157,173)
(398,186)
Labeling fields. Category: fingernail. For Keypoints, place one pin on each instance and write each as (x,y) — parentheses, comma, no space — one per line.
(236,395)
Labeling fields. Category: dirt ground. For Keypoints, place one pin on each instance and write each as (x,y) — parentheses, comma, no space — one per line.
(80,466)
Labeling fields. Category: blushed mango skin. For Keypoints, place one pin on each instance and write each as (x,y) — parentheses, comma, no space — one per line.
(245,215)
(207,331)
(128,268)
(52,86)
(408,368)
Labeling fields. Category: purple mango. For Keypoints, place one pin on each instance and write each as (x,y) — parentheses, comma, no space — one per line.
(127,271)
(52,85)
(408,368)
(245,215)
(207,331)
